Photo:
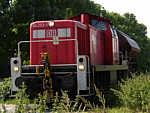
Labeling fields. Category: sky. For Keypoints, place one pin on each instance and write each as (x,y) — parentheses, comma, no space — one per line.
(140,8)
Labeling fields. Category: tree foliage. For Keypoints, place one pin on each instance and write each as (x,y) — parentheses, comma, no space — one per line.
(16,16)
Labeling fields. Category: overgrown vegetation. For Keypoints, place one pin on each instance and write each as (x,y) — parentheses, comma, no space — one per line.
(133,94)
(5,89)
(59,104)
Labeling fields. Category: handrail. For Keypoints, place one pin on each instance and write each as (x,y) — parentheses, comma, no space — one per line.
(19,43)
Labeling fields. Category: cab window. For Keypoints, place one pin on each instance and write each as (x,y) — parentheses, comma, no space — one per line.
(99,24)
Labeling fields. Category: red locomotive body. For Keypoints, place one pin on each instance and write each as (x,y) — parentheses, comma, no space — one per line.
(63,53)
(83,51)
(103,42)
(97,43)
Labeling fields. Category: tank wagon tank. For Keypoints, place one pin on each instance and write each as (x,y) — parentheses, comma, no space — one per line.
(74,55)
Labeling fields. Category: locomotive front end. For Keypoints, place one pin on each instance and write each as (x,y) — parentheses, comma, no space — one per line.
(62,65)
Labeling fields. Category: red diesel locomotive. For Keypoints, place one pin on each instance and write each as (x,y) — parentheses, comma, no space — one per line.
(74,55)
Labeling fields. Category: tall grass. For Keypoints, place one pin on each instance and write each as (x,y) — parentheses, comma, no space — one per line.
(134,92)
(22,100)
(4,92)
(5,87)
(79,104)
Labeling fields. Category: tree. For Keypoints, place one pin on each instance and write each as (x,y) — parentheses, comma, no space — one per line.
(5,31)
(16,16)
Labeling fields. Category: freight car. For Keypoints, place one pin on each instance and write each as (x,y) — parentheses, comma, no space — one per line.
(74,55)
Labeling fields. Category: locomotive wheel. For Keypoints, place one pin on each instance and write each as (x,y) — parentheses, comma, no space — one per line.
(34,85)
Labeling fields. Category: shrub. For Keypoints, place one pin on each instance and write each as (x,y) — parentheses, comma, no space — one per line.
(5,87)
(65,104)
(134,92)
(22,100)
(40,104)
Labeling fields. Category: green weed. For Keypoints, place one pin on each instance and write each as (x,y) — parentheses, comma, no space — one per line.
(22,100)
(134,92)
(5,87)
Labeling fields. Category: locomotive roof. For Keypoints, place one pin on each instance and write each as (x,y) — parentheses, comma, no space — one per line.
(131,42)
(77,18)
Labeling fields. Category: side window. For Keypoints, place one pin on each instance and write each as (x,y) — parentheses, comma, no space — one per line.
(99,24)
(38,33)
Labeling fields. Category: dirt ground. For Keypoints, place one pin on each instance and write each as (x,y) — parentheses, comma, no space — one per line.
(10,108)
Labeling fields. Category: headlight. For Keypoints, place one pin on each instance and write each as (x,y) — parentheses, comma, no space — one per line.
(51,23)
(81,67)
(16,68)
